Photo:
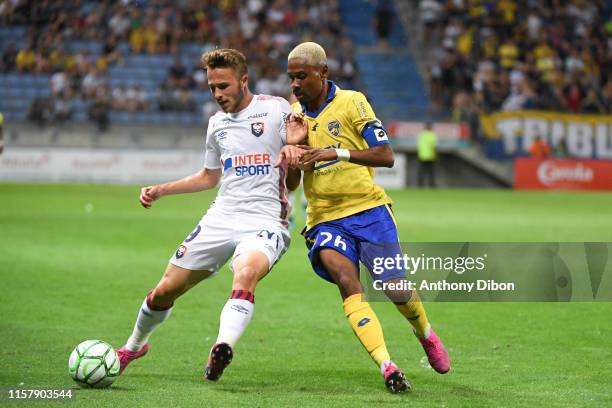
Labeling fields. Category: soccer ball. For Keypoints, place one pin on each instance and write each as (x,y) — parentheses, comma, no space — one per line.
(93,364)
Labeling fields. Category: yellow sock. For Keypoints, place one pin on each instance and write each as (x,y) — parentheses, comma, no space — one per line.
(414,311)
(366,327)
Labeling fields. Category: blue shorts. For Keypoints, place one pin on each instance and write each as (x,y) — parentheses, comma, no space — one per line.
(363,237)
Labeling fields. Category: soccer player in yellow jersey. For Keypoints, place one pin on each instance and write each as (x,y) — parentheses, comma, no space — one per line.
(346,210)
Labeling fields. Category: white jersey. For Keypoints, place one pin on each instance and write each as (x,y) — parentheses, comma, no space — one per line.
(246,145)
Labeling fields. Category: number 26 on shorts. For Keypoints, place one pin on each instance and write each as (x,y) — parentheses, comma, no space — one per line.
(328,236)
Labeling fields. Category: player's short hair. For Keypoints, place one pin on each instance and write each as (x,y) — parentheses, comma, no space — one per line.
(225,58)
(311,52)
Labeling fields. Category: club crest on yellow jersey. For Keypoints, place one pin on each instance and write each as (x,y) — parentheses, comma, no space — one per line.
(334,128)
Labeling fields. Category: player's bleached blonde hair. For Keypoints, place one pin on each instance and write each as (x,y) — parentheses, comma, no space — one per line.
(311,52)
(225,58)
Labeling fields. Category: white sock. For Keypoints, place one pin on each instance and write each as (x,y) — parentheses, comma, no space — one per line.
(235,317)
(146,322)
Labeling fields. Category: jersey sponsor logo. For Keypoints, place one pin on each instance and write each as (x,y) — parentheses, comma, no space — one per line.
(314,127)
(258,115)
(258,164)
(221,135)
(361,109)
(181,251)
(334,128)
(257,128)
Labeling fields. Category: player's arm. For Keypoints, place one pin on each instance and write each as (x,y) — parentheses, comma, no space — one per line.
(377,156)
(202,180)
(297,128)
(293,126)
(291,155)
(294,177)
(363,119)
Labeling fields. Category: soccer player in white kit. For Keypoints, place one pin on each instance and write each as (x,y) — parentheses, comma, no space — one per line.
(246,223)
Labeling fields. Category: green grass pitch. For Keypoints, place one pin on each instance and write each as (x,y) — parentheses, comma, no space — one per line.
(77,260)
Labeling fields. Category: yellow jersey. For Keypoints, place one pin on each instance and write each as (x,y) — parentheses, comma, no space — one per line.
(338,189)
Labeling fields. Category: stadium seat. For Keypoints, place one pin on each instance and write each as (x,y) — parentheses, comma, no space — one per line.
(359,17)
(12,33)
(381,75)
(142,69)
(123,47)
(92,47)
(201,97)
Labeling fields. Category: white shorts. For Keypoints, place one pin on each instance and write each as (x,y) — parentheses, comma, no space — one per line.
(220,236)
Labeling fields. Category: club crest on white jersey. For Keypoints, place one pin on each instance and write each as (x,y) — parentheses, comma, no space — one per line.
(257,128)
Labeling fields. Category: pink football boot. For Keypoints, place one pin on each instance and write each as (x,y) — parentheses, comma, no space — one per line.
(126,356)
(436,353)
(395,380)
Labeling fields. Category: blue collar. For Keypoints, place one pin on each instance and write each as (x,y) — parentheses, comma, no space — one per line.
(332,92)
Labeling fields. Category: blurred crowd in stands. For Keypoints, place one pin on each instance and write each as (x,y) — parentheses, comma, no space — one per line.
(507,55)
(264,30)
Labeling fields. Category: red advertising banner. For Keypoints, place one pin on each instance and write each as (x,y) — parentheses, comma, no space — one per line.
(566,174)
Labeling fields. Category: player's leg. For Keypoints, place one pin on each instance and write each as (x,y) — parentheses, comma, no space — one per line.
(414,311)
(361,316)
(429,174)
(249,268)
(383,243)
(409,304)
(156,308)
(432,174)
(334,257)
(199,256)
(159,302)
(420,173)
(255,255)
(359,313)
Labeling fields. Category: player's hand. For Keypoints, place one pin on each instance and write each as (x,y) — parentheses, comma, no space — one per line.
(297,128)
(313,155)
(148,195)
(291,154)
